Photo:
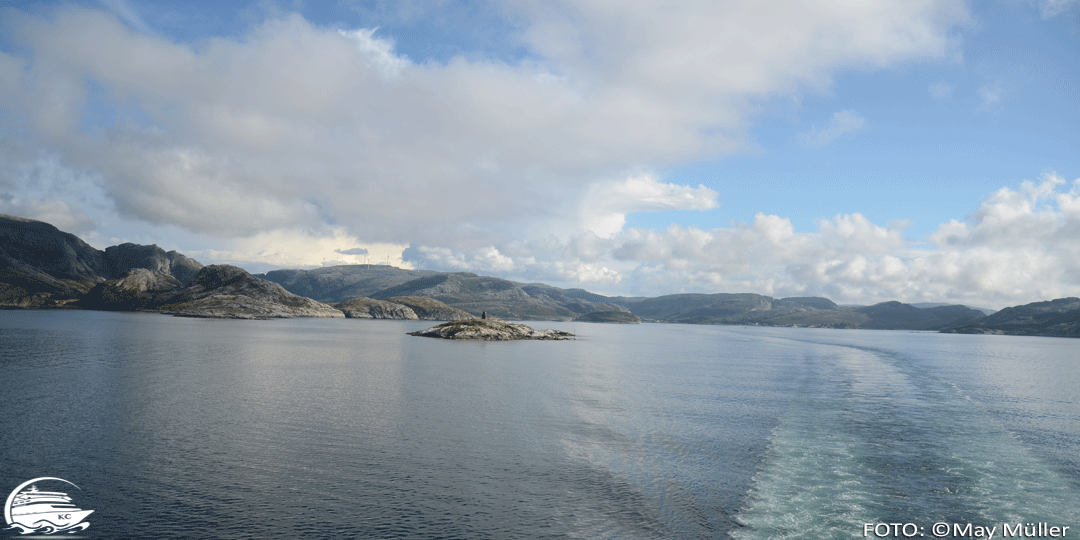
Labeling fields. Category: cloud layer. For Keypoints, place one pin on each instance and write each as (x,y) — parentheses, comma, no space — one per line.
(328,142)
(1019,246)
(295,125)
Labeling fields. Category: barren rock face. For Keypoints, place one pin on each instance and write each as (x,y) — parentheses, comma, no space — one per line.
(236,306)
(490,330)
(140,289)
(367,308)
(230,292)
(121,259)
(429,309)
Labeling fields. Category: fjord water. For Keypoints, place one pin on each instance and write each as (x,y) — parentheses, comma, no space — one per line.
(188,428)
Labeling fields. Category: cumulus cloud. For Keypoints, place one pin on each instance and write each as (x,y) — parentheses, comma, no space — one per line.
(1017,247)
(378,52)
(297,248)
(298,145)
(841,123)
(606,204)
(293,125)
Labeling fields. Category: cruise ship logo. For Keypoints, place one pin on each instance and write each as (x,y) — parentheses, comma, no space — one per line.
(31,510)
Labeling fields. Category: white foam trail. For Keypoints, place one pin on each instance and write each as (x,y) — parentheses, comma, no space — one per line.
(871,438)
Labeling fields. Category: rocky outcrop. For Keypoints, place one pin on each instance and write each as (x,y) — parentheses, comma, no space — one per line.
(139,290)
(216,291)
(225,291)
(368,308)
(489,330)
(236,306)
(618,317)
(429,309)
(24,286)
(401,307)
(121,259)
(42,266)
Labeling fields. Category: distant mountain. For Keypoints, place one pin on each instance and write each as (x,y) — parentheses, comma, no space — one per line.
(44,267)
(898,316)
(754,309)
(334,284)
(617,317)
(925,305)
(501,298)
(1056,318)
(465,291)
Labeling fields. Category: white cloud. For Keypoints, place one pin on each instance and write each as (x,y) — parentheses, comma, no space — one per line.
(49,210)
(1052,8)
(606,204)
(299,145)
(294,126)
(941,91)
(1033,216)
(841,123)
(292,248)
(42,188)
(1018,247)
(379,52)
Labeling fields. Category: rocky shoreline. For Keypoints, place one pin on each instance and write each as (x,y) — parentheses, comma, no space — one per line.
(490,330)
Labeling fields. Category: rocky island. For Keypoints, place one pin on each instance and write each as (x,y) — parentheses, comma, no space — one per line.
(490,330)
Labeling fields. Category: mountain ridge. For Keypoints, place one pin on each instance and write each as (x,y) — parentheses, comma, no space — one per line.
(44,267)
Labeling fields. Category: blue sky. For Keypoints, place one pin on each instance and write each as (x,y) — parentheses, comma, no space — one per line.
(923,151)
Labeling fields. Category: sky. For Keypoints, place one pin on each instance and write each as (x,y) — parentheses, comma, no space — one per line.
(865,151)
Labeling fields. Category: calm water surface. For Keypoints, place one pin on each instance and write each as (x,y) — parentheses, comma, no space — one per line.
(188,428)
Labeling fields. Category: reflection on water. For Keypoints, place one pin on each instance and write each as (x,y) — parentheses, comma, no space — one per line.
(350,428)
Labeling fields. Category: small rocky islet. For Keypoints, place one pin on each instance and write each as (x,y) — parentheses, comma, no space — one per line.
(490,330)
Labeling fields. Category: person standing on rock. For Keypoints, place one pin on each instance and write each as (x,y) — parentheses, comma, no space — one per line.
(483,314)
